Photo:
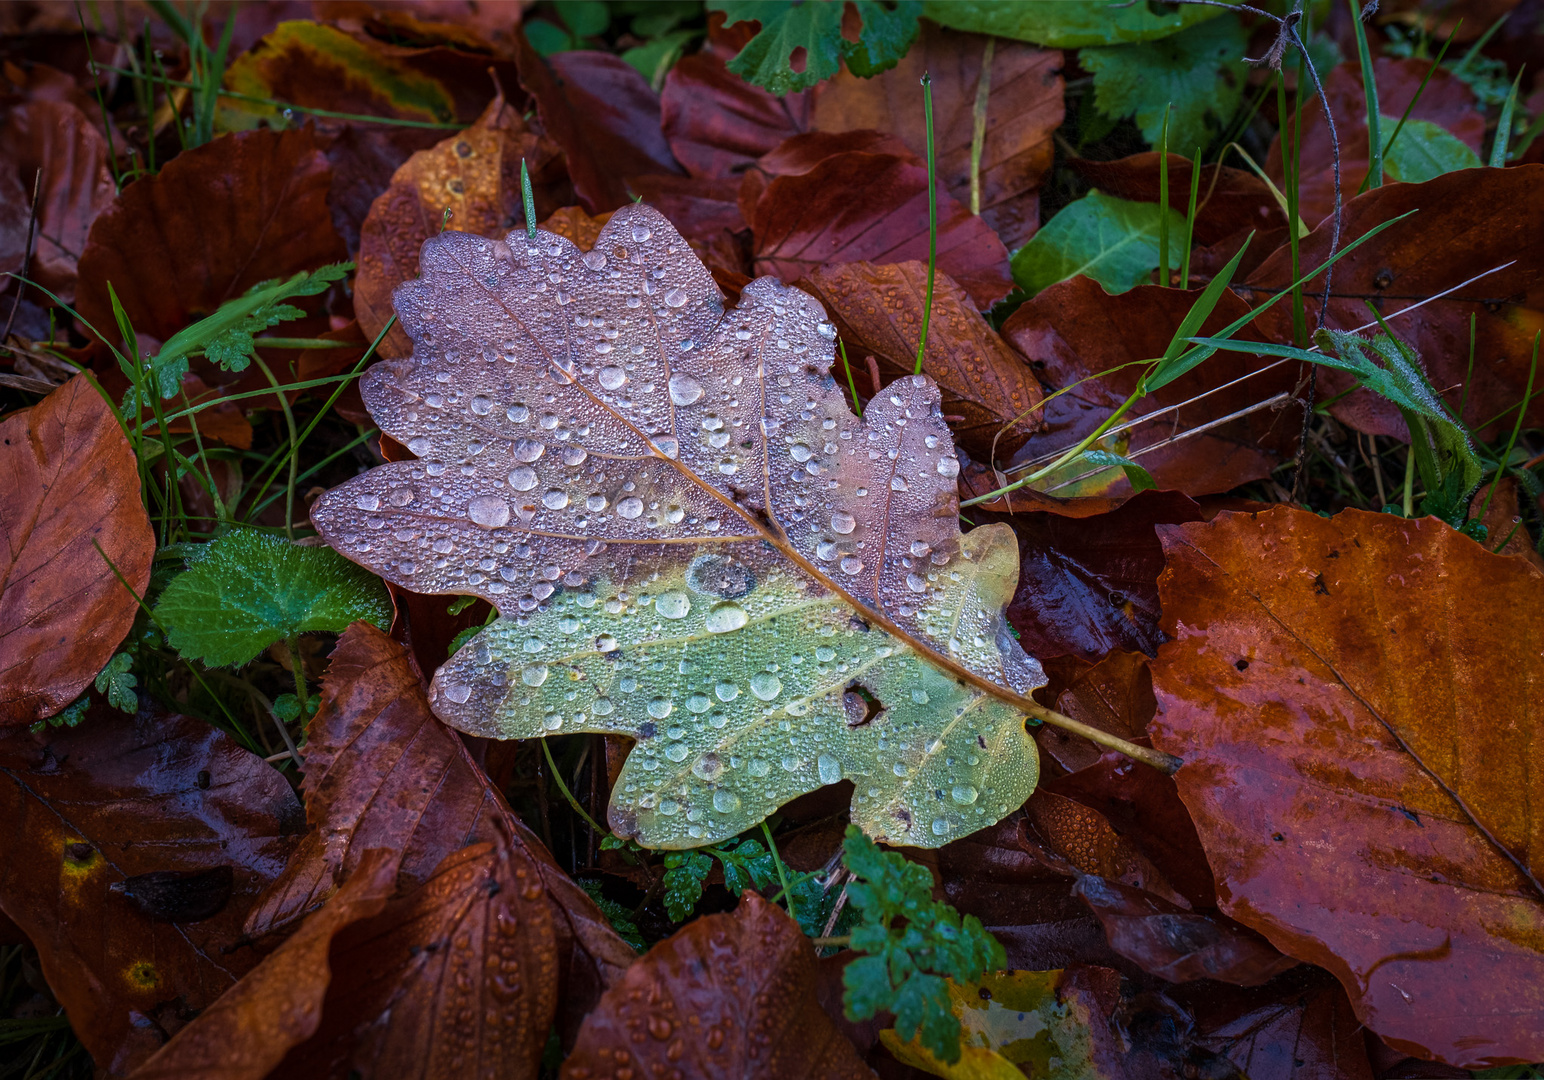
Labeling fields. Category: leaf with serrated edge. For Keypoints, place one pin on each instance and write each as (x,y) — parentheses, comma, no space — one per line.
(691,541)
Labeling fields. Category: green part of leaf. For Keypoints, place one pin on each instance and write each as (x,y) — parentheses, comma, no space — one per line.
(248,590)
(548,38)
(1177,359)
(117,684)
(1425,151)
(618,916)
(655,57)
(685,874)
(1140,478)
(586,18)
(1200,70)
(333,57)
(749,866)
(1067,24)
(914,944)
(886,35)
(1114,241)
(460,604)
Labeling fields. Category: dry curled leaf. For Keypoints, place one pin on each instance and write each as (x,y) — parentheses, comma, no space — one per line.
(729,995)
(691,541)
(70,482)
(1356,699)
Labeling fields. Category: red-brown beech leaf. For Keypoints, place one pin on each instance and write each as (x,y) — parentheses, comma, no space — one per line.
(70,482)
(1444,100)
(868,207)
(604,115)
(475,175)
(88,812)
(381,771)
(1074,330)
(277,1004)
(878,311)
(1454,235)
(58,138)
(717,124)
(216,220)
(1357,702)
(1024,106)
(628,472)
(727,995)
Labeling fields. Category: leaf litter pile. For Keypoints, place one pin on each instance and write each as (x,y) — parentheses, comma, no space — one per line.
(669,539)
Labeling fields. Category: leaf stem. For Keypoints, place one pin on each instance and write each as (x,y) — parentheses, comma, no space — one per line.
(557,778)
(932,214)
(978,124)
(294,438)
(782,873)
(830,942)
(1164,763)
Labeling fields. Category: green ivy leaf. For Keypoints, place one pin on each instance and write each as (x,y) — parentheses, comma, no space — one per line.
(1200,71)
(1114,241)
(247,590)
(1424,151)
(1067,24)
(914,944)
(118,684)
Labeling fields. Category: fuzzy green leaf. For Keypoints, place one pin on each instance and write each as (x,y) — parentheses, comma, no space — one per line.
(886,35)
(247,590)
(816,27)
(1199,71)
(1067,24)
(1114,241)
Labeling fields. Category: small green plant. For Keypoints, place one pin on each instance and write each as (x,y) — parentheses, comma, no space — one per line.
(914,945)
(117,684)
(817,28)
(620,918)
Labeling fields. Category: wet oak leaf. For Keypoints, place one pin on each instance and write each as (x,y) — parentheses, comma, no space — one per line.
(1356,699)
(878,311)
(70,483)
(691,541)
(728,995)
(109,803)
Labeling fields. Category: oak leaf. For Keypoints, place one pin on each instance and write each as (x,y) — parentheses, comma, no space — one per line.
(691,541)
(1357,702)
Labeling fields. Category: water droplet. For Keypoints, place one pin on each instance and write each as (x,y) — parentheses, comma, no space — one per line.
(851,565)
(758,767)
(489,511)
(948,466)
(766,685)
(555,499)
(606,643)
(699,703)
(669,807)
(726,801)
(825,654)
(529,450)
(482,404)
(964,794)
(677,751)
(400,496)
(603,707)
(458,692)
(675,297)
(672,605)
(843,522)
(684,389)
(825,551)
(725,617)
(916,583)
(612,377)
(419,446)
(829,768)
(630,507)
(595,503)
(368,502)
(919,549)
(726,691)
(534,674)
(899,768)
(897,484)
(574,455)
(919,696)
(800,453)
(519,414)
(594,260)
(641,232)
(659,708)
(940,827)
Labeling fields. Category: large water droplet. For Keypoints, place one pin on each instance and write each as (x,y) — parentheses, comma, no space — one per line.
(489,511)
(641,232)
(458,692)
(684,389)
(766,685)
(482,404)
(940,827)
(699,703)
(534,674)
(725,801)
(725,617)
(800,453)
(594,260)
(851,565)
(919,696)
(659,708)
(825,654)
(677,751)
(630,507)
(675,297)
(829,768)
(555,499)
(672,605)
(948,466)
(964,794)
(595,503)
(726,691)
(843,522)
(603,707)
(368,502)
(529,450)
(916,583)
(612,377)
(606,643)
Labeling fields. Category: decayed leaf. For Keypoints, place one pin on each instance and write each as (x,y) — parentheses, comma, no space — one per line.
(90,811)
(247,1032)
(381,771)
(691,541)
(729,995)
(1357,701)
(872,207)
(70,479)
(1024,106)
(878,311)
(717,123)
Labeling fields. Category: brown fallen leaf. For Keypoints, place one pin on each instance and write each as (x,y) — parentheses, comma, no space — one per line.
(216,220)
(381,771)
(1506,530)
(1230,202)
(728,995)
(1078,840)
(475,175)
(878,311)
(89,813)
(57,138)
(1453,236)
(70,482)
(1356,700)
(717,123)
(248,1030)
(1074,330)
(1024,106)
(573,223)
(871,207)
